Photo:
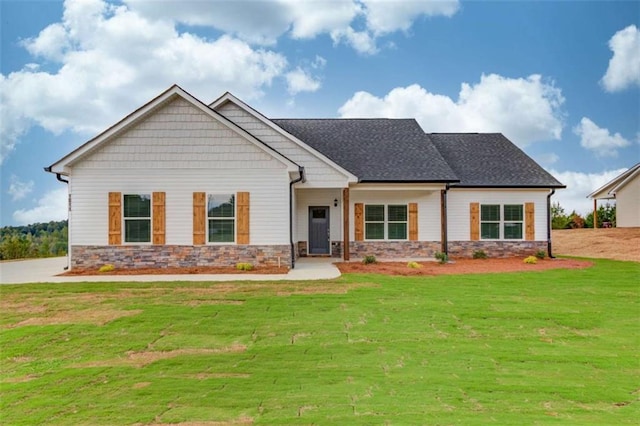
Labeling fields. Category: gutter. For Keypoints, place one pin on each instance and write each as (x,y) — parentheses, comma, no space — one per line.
(301,178)
(549,253)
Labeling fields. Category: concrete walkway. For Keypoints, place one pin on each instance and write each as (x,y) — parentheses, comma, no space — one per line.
(46,270)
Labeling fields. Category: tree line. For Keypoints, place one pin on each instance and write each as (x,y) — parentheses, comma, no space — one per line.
(35,240)
(560,220)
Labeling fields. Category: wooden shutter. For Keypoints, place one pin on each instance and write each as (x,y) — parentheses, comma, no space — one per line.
(199,218)
(474,218)
(159,218)
(242,218)
(529,221)
(413,221)
(358,216)
(115,218)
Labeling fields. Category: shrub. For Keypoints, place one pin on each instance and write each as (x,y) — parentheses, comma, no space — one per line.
(244,266)
(414,265)
(531,260)
(541,254)
(106,268)
(479,254)
(369,259)
(441,257)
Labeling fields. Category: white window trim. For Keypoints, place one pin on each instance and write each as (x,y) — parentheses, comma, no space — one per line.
(150,218)
(386,222)
(502,222)
(235,219)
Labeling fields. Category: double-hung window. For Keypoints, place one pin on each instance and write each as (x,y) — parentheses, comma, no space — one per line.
(501,221)
(137,218)
(221,218)
(385,222)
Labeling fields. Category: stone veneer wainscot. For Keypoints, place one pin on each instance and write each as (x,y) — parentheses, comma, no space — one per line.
(178,256)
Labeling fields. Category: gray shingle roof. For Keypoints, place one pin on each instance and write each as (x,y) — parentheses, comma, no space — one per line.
(374,150)
(490,160)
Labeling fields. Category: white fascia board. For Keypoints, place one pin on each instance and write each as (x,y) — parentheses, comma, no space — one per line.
(397,187)
(626,180)
(228,97)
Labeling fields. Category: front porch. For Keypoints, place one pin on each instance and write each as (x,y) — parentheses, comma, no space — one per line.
(337,222)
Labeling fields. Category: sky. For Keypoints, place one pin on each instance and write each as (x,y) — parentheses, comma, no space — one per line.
(561,79)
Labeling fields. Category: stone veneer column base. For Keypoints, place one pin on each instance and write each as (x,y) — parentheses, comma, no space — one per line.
(496,248)
(173,256)
(393,249)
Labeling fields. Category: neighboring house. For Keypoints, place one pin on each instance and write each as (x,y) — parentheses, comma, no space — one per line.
(625,189)
(182,183)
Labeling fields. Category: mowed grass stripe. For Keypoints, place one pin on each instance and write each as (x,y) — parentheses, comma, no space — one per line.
(519,348)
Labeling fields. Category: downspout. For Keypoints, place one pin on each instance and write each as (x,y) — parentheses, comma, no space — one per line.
(59,177)
(445,222)
(291,183)
(553,191)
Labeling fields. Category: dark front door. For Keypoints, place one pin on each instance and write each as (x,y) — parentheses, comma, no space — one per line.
(318,230)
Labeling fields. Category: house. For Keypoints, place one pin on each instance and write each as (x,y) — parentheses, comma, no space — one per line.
(625,189)
(181,183)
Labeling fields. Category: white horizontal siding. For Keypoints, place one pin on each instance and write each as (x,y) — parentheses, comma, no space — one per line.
(428,208)
(318,173)
(458,200)
(306,198)
(269,200)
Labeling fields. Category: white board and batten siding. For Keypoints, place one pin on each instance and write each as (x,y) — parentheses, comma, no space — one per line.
(318,173)
(428,208)
(179,150)
(458,201)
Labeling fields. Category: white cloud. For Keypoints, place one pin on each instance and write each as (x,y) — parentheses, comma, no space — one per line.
(384,16)
(52,206)
(547,158)
(18,189)
(263,22)
(111,60)
(599,140)
(300,81)
(624,66)
(579,186)
(526,110)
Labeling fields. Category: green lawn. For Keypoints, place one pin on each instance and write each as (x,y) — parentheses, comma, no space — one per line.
(522,348)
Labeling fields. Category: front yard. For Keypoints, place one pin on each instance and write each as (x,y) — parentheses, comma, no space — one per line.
(513,348)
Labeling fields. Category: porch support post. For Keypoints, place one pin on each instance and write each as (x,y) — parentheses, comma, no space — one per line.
(595,213)
(345,227)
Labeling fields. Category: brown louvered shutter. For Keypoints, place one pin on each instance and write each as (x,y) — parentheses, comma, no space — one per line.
(115,218)
(474,221)
(159,218)
(413,221)
(242,229)
(529,221)
(199,218)
(358,218)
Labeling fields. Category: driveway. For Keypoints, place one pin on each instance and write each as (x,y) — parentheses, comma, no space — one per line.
(46,270)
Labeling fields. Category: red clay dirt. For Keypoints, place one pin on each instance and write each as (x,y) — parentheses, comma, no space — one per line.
(461,266)
(605,243)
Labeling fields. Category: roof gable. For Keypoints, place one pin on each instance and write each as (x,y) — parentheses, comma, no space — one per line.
(375,150)
(491,160)
(230,98)
(609,190)
(61,166)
